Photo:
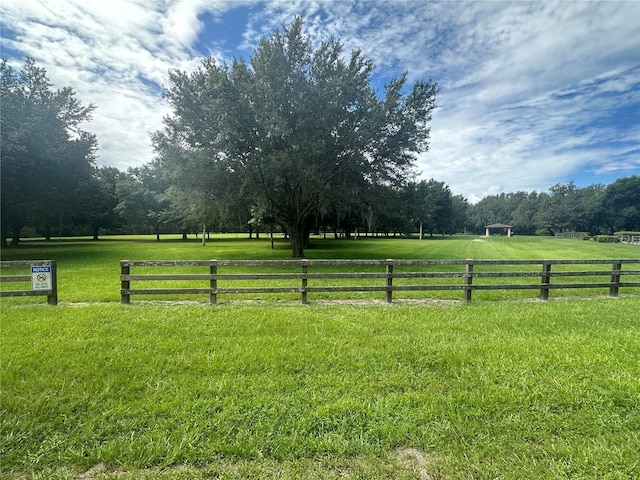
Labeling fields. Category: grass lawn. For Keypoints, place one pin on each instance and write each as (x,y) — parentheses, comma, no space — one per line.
(89,271)
(92,389)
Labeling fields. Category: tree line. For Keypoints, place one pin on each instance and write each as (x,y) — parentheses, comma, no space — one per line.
(294,140)
(595,209)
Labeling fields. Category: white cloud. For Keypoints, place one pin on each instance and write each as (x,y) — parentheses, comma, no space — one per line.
(114,54)
(503,69)
(529,91)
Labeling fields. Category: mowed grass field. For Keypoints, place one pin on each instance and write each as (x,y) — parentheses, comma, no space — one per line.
(89,271)
(499,388)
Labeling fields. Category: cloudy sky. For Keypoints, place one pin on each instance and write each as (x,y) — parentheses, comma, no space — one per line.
(531,94)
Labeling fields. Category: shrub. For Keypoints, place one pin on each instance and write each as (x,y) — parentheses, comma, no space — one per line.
(607,238)
(574,235)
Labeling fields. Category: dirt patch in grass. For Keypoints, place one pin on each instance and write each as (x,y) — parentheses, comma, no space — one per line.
(417,462)
(93,473)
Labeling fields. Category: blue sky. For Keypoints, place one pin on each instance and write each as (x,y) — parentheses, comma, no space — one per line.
(531,94)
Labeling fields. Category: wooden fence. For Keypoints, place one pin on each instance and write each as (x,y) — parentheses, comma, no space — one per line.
(42,277)
(632,239)
(385,276)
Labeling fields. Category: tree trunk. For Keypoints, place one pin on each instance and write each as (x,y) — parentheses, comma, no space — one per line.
(47,232)
(95,229)
(4,231)
(16,223)
(297,235)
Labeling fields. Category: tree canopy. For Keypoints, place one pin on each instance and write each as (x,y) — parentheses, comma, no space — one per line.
(47,158)
(295,140)
(294,128)
(565,208)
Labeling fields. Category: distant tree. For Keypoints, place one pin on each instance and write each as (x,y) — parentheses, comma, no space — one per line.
(590,199)
(431,206)
(387,210)
(566,208)
(187,215)
(102,200)
(347,204)
(203,192)
(142,199)
(46,157)
(297,125)
(523,218)
(459,214)
(619,209)
(491,209)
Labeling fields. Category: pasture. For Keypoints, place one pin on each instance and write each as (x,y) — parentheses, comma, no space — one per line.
(500,388)
(88,271)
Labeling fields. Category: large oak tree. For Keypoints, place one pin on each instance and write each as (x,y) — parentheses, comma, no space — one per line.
(46,157)
(295,125)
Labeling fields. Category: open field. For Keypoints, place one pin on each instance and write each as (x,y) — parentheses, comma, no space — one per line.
(92,389)
(89,271)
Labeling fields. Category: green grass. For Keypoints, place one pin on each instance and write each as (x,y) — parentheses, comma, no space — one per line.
(89,271)
(505,390)
(494,389)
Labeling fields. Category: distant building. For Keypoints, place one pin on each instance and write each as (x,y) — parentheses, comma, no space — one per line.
(488,228)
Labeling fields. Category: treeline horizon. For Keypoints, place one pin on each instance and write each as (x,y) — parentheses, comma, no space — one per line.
(141,200)
(293,140)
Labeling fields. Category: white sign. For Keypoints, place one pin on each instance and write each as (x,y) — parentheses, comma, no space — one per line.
(41,277)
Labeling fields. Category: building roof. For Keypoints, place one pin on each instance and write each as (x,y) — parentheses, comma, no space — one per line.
(497,225)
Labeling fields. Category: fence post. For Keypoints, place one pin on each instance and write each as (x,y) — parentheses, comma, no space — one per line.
(389,296)
(615,279)
(125,298)
(545,279)
(213,283)
(303,287)
(468,280)
(52,298)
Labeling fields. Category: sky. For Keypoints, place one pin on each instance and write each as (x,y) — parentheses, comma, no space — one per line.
(530,94)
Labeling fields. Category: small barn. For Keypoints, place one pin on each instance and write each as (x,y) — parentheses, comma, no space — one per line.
(498,226)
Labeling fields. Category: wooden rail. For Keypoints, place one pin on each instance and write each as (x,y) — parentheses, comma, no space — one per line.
(632,239)
(415,272)
(47,286)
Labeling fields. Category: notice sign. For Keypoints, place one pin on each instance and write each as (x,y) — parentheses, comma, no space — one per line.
(41,277)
